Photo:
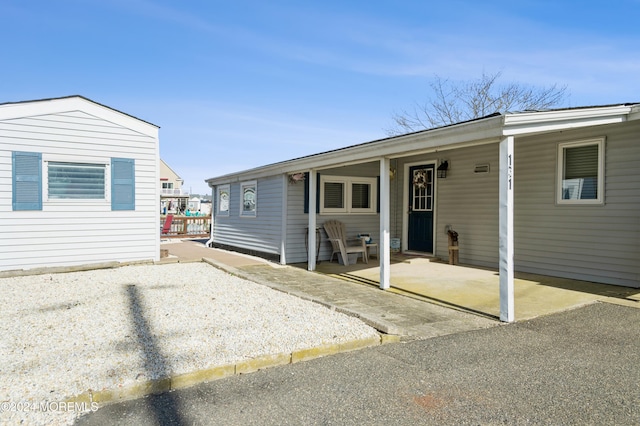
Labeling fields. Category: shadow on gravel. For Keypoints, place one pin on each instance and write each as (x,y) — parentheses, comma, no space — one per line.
(164,407)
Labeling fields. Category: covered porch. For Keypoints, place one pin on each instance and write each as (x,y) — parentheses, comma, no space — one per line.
(410,206)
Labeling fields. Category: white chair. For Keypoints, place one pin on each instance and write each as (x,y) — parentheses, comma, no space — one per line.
(337,233)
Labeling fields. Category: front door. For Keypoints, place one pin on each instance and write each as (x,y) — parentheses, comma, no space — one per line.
(420,236)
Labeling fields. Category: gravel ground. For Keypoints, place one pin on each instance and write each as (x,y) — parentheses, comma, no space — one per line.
(63,334)
(577,367)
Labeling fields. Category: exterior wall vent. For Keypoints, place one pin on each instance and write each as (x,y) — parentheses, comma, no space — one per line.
(481,168)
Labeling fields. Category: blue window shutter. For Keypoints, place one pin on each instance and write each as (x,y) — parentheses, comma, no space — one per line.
(123,185)
(27,180)
(306,192)
(378,195)
(317,192)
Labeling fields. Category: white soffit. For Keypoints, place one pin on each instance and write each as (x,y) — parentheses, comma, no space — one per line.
(550,121)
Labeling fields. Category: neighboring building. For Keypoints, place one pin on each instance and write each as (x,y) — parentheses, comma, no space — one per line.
(548,192)
(205,207)
(78,185)
(173,199)
(200,207)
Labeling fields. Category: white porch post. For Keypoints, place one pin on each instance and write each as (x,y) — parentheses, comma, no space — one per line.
(283,223)
(311,241)
(507,311)
(385,239)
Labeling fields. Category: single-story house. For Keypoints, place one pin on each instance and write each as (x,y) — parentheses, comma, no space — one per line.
(553,192)
(79,184)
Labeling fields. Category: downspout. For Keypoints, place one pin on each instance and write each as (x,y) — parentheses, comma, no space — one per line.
(213,209)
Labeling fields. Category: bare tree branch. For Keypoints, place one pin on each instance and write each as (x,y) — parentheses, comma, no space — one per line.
(454,102)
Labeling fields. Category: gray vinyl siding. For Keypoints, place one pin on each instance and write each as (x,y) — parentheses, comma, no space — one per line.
(74,232)
(261,233)
(465,200)
(396,199)
(297,223)
(598,243)
(468,202)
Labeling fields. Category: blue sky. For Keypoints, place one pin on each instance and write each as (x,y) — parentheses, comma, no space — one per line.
(239,84)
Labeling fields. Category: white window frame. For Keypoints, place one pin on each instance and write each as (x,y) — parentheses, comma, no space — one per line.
(600,142)
(75,160)
(220,190)
(348,182)
(248,184)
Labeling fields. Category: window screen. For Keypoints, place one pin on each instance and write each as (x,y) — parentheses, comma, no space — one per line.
(360,195)
(580,179)
(76,181)
(333,195)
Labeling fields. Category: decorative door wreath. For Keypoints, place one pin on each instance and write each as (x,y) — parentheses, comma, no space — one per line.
(420,178)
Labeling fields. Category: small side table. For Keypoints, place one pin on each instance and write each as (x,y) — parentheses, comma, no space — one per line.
(369,247)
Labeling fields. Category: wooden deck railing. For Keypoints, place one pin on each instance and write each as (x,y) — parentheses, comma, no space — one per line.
(187,226)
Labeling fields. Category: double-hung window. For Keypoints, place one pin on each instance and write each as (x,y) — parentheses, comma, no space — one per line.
(581,172)
(347,195)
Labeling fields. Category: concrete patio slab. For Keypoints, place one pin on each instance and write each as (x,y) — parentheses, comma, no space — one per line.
(477,290)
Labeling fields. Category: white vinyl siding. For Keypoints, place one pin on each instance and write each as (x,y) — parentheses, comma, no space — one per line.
(73,231)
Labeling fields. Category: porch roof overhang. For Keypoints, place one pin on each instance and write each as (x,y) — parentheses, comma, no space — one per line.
(480,131)
(485,130)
